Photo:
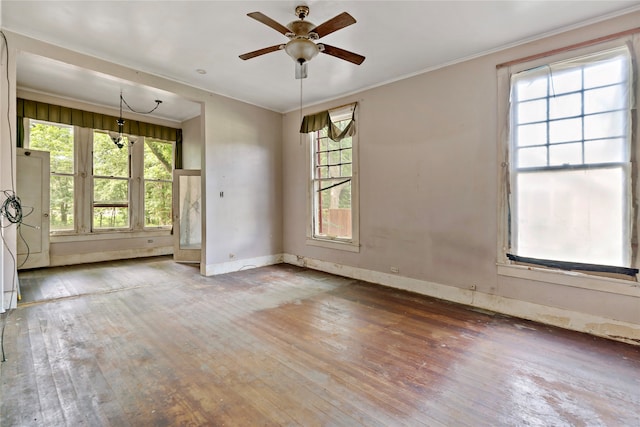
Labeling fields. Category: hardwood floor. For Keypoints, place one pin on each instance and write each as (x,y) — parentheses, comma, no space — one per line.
(152,343)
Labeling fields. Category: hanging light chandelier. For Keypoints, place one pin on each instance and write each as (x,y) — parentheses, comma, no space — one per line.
(119,138)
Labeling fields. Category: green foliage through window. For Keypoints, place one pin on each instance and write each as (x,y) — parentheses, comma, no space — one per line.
(58,141)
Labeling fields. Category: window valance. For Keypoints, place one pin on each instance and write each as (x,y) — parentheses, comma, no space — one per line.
(37,110)
(322,119)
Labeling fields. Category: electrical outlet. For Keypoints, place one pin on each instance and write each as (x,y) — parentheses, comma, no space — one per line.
(395,270)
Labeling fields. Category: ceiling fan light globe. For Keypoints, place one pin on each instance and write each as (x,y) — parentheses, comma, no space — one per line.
(301,50)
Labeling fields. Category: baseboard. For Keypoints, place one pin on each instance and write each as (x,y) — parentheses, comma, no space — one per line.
(581,322)
(10,297)
(59,260)
(242,264)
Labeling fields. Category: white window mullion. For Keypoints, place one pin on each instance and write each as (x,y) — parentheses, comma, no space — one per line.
(84,182)
(136,191)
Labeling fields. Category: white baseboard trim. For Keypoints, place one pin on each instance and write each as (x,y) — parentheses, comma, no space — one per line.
(581,322)
(242,264)
(59,260)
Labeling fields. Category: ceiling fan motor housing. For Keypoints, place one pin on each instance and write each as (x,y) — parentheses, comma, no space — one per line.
(302,11)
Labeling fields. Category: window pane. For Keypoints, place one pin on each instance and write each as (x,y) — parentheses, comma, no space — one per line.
(565,154)
(108,159)
(532,134)
(334,157)
(565,130)
(605,125)
(345,156)
(606,72)
(332,209)
(532,88)
(57,140)
(322,158)
(334,171)
(532,111)
(322,172)
(111,203)
(532,157)
(61,205)
(605,150)
(566,81)
(604,99)
(158,159)
(157,203)
(111,217)
(553,223)
(565,106)
(323,142)
(190,212)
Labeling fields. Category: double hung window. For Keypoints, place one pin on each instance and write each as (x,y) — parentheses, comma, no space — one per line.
(570,192)
(333,185)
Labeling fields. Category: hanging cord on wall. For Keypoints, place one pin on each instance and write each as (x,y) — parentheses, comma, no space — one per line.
(157,101)
(300,114)
(11,207)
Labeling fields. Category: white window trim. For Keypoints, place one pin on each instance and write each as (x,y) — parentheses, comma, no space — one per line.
(353,244)
(507,268)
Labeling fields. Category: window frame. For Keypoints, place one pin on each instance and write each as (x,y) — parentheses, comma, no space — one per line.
(129,179)
(83,189)
(352,244)
(144,180)
(551,274)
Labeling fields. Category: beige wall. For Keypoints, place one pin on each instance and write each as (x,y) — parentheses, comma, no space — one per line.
(192,143)
(239,154)
(429,194)
(243,158)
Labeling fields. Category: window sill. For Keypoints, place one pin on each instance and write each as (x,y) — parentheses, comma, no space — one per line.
(334,244)
(107,235)
(571,278)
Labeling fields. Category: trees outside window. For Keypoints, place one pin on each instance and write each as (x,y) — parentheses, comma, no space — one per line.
(111,180)
(333,187)
(58,140)
(98,187)
(158,178)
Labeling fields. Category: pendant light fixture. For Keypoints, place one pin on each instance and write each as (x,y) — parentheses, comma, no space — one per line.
(119,138)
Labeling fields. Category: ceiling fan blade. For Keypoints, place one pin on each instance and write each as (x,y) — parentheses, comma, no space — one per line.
(259,52)
(343,54)
(334,24)
(261,17)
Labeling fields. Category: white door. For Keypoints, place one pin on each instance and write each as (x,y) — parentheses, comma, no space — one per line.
(32,188)
(187,215)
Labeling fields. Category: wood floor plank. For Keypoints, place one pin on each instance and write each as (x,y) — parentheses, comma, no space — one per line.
(151,342)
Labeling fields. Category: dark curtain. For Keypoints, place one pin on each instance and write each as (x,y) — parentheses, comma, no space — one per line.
(318,121)
(71,116)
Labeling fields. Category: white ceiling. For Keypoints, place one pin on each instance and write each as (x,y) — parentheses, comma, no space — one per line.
(173,39)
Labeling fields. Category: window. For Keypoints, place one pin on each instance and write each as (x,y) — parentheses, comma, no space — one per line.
(158,176)
(111,180)
(97,187)
(58,140)
(333,184)
(570,157)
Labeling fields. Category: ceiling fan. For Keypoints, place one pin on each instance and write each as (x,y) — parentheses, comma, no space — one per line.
(301,47)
